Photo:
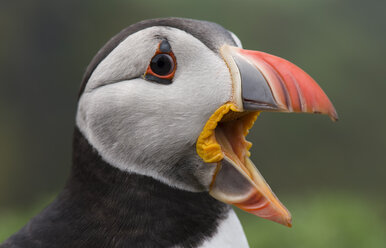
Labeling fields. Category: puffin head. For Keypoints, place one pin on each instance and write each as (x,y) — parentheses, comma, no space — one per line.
(173,99)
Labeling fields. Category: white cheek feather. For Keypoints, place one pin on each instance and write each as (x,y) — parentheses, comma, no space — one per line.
(146,127)
(229,234)
(128,60)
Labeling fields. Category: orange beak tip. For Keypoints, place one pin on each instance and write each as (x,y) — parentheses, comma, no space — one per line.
(285,221)
(289,222)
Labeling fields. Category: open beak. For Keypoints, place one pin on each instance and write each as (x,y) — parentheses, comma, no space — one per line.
(261,82)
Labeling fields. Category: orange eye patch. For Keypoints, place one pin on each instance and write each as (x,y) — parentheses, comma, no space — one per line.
(162,66)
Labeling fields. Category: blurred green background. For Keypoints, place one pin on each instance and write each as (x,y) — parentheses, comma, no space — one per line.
(330,175)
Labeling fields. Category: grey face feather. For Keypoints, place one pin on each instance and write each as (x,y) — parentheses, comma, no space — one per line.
(148,128)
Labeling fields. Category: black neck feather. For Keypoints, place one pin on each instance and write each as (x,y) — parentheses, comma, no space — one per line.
(102,206)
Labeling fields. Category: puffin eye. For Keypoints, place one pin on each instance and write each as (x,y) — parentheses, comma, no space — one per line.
(162,66)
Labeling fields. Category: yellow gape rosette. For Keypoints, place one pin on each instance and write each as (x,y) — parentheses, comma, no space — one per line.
(207,146)
(236,180)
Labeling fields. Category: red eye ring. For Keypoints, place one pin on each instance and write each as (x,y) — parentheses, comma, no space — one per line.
(163,65)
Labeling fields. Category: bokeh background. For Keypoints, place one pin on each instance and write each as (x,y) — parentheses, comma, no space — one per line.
(330,175)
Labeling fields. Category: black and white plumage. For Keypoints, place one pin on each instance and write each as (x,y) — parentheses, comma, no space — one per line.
(102,206)
(140,176)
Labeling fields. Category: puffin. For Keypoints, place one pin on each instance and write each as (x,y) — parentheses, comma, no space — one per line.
(159,148)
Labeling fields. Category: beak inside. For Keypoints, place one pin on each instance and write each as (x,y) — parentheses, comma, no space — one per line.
(247,190)
(236,180)
(261,82)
